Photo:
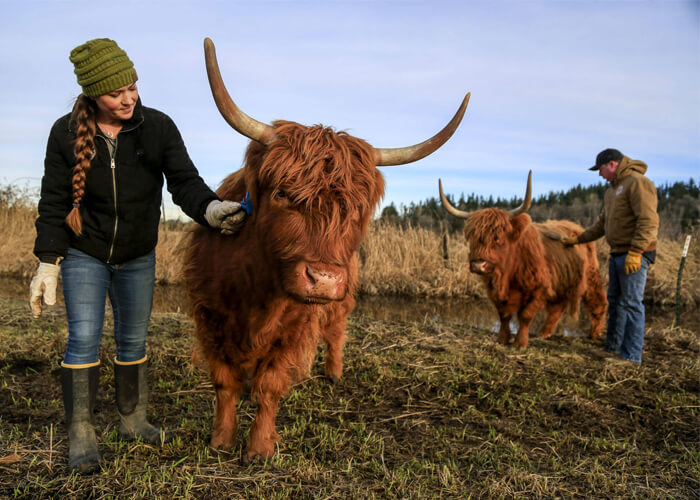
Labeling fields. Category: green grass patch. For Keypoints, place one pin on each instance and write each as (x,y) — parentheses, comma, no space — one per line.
(424,410)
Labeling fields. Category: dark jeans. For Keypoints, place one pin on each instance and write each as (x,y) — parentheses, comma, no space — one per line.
(625,309)
(87,282)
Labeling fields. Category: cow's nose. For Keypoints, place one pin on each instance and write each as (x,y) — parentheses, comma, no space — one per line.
(324,283)
(477,266)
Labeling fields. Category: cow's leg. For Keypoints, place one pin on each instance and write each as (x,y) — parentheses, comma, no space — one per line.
(525,317)
(523,336)
(334,337)
(504,332)
(333,334)
(505,309)
(554,314)
(228,384)
(270,381)
(596,303)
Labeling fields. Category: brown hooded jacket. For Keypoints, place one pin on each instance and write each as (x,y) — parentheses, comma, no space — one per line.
(628,219)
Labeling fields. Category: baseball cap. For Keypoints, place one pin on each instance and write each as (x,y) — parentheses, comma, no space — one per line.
(605,156)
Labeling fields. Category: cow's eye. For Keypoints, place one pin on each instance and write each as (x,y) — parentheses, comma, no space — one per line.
(280,197)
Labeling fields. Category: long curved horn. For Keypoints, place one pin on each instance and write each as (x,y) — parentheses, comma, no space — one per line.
(448,206)
(528,198)
(241,122)
(408,154)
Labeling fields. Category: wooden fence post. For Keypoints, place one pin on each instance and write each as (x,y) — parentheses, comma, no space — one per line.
(678,283)
(445,245)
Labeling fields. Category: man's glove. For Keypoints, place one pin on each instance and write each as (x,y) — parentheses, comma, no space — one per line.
(226,215)
(633,262)
(569,241)
(44,285)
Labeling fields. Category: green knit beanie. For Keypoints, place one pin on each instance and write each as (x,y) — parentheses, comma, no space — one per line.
(101,67)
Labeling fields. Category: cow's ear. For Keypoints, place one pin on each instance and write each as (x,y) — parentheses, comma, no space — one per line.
(519,223)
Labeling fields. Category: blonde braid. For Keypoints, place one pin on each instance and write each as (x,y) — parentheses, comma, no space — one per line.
(83,118)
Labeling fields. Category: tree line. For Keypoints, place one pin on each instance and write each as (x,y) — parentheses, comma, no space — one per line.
(679,208)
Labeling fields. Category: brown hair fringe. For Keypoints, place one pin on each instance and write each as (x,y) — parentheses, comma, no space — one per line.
(83,119)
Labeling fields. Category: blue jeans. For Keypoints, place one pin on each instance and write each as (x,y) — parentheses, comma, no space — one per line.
(87,282)
(625,309)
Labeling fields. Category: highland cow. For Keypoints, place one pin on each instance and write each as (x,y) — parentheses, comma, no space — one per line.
(525,269)
(264,298)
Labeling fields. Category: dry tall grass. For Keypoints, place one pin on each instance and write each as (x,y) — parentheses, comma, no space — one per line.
(399,261)
(396,261)
(393,260)
(17,233)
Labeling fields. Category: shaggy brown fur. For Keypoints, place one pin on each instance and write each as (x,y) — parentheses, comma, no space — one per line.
(524,271)
(263,299)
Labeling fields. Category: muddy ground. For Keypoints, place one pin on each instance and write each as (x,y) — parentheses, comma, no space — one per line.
(426,409)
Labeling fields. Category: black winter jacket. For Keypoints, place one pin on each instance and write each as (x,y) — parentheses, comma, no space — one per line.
(121,206)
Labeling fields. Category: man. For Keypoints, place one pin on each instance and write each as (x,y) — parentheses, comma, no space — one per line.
(630,224)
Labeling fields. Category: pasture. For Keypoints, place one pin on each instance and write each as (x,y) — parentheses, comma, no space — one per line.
(429,406)
(426,409)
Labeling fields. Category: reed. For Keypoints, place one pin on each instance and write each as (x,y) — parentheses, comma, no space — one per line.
(393,260)
(398,261)
(17,216)
(409,262)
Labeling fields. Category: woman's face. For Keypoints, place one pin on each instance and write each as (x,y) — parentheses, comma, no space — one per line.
(117,105)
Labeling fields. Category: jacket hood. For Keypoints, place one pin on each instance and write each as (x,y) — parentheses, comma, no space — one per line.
(627,166)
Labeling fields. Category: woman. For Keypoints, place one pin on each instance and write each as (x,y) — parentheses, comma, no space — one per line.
(98,222)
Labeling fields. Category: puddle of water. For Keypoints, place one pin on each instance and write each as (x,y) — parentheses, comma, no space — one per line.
(478,314)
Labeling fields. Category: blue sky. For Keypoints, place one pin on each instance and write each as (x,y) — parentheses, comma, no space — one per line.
(552,82)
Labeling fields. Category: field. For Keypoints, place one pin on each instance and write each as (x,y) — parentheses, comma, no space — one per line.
(425,410)
(394,261)
(428,408)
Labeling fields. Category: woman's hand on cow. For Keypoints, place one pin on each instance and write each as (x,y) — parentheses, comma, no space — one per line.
(226,215)
(44,286)
(569,241)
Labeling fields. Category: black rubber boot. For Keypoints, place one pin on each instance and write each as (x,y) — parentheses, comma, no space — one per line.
(79,395)
(132,401)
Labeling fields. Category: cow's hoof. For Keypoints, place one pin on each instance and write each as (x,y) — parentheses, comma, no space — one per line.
(261,449)
(332,378)
(257,457)
(220,451)
(254,459)
(221,445)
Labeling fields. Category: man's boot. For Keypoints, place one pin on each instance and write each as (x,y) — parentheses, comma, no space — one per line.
(79,383)
(130,380)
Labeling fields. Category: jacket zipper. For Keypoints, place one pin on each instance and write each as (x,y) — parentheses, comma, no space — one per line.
(113,165)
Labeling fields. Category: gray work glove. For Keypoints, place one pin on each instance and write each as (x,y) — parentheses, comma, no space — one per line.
(44,285)
(226,215)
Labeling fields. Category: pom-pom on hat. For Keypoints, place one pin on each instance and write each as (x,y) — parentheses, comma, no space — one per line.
(101,67)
